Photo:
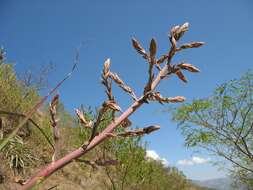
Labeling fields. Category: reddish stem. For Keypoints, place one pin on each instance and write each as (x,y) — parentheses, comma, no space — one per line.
(53,167)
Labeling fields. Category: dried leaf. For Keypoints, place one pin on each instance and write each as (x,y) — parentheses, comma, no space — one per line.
(188,67)
(139,49)
(152,48)
(181,76)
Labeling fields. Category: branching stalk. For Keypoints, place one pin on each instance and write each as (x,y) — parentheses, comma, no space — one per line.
(96,137)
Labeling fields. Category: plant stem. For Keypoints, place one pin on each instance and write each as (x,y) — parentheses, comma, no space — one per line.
(53,167)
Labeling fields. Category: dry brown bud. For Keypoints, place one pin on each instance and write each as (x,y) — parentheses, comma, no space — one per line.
(106,67)
(53,105)
(82,119)
(188,67)
(158,97)
(192,45)
(181,75)
(121,84)
(174,29)
(138,132)
(176,99)
(184,27)
(178,31)
(139,49)
(153,48)
(54,101)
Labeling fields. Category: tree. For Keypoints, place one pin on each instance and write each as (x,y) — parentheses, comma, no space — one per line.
(223,124)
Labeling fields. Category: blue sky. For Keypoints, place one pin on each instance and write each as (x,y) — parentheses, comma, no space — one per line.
(35,33)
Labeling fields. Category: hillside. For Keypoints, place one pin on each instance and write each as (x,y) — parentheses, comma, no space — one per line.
(218,184)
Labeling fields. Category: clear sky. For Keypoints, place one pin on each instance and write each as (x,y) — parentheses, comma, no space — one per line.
(35,33)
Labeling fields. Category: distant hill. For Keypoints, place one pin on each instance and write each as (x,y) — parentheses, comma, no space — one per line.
(217,184)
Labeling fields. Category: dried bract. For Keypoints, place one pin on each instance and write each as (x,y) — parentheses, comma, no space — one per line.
(161,59)
(53,103)
(82,119)
(116,78)
(111,104)
(156,96)
(181,75)
(106,67)
(153,48)
(191,45)
(176,99)
(122,85)
(178,31)
(139,49)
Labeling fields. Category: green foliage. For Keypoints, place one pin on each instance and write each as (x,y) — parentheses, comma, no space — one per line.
(136,171)
(18,155)
(222,123)
(15,97)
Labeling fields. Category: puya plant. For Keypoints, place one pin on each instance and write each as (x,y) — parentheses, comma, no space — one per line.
(165,68)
